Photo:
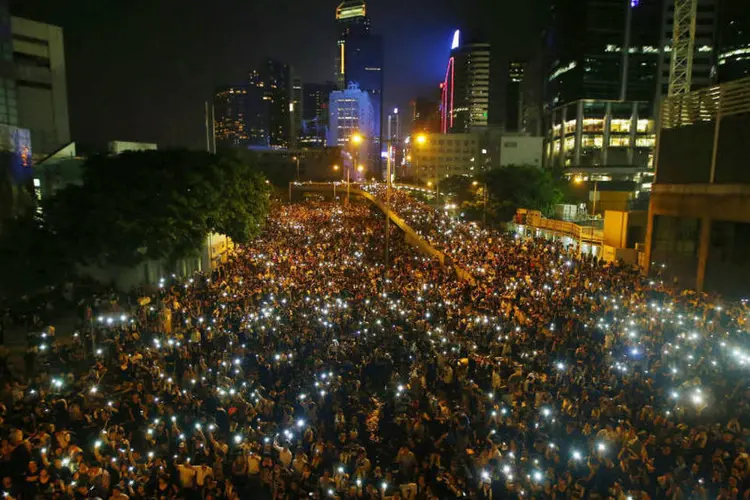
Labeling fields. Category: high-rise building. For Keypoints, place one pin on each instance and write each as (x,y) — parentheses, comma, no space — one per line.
(230,121)
(351,112)
(514,97)
(425,116)
(277,79)
(351,22)
(359,60)
(733,37)
(295,109)
(466,89)
(532,95)
(704,60)
(364,66)
(315,98)
(602,49)
(315,101)
(41,89)
(240,117)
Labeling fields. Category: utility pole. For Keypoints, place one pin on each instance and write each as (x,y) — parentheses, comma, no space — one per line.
(388,213)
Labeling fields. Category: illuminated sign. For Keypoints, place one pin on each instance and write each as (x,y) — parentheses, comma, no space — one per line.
(635,3)
(456,39)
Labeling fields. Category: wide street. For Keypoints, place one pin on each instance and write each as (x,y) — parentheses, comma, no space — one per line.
(295,370)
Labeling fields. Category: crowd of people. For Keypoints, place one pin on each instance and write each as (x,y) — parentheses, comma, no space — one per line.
(301,369)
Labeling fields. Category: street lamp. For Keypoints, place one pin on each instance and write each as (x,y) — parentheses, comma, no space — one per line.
(578,180)
(296,158)
(335,169)
(356,139)
(420,140)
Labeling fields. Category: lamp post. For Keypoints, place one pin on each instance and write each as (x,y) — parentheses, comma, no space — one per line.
(578,180)
(296,159)
(335,169)
(420,141)
(356,140)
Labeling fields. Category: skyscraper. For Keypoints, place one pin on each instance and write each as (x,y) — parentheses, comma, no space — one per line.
(351,22)
(733,40)
(425,116)
(466,90)
(241,116)
(315,98)
(514,97)
(360,61)
(277,81)
(295,109)
(351,111)
(602,49)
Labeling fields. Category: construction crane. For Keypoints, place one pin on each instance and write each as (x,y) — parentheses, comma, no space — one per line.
(683,46)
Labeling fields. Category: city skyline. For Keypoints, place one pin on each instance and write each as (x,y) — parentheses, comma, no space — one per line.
(162,75)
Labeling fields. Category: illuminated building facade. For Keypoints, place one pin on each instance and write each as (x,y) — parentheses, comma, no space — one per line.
(278,83)
(514,97)
(351,22)
(350,112)
(465,99)
(733,40)
(444,155)
(359,60)
(597,134)
(603,50)
(240,116)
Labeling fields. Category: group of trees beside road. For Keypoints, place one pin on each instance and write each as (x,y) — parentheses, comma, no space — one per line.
(129,208)
(507,189)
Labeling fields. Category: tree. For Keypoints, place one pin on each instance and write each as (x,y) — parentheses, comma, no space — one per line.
(459,188)
(156,205)
(513,187)
(31,258)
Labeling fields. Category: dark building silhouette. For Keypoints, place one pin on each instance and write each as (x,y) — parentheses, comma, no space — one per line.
(514,96)
(603,49)
(425,116)
(733,37)
(277,80)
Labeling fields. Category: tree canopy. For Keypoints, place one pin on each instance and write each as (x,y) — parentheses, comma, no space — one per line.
(137,206)
(157,205)
(513,187)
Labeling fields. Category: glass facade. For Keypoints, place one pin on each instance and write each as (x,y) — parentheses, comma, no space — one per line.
(585,42)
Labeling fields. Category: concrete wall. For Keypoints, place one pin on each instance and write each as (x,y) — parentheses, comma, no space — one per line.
(698,206)
(521,150)
(41,83)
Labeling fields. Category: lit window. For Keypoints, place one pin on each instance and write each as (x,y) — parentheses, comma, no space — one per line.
(619,141)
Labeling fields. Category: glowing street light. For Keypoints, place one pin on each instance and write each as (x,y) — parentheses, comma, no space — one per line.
(356,139)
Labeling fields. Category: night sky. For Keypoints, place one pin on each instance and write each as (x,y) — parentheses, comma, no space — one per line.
(140,70)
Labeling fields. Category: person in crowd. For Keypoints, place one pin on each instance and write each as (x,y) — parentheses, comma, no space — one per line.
(298,370)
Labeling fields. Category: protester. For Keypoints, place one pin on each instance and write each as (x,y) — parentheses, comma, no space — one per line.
(296,370)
